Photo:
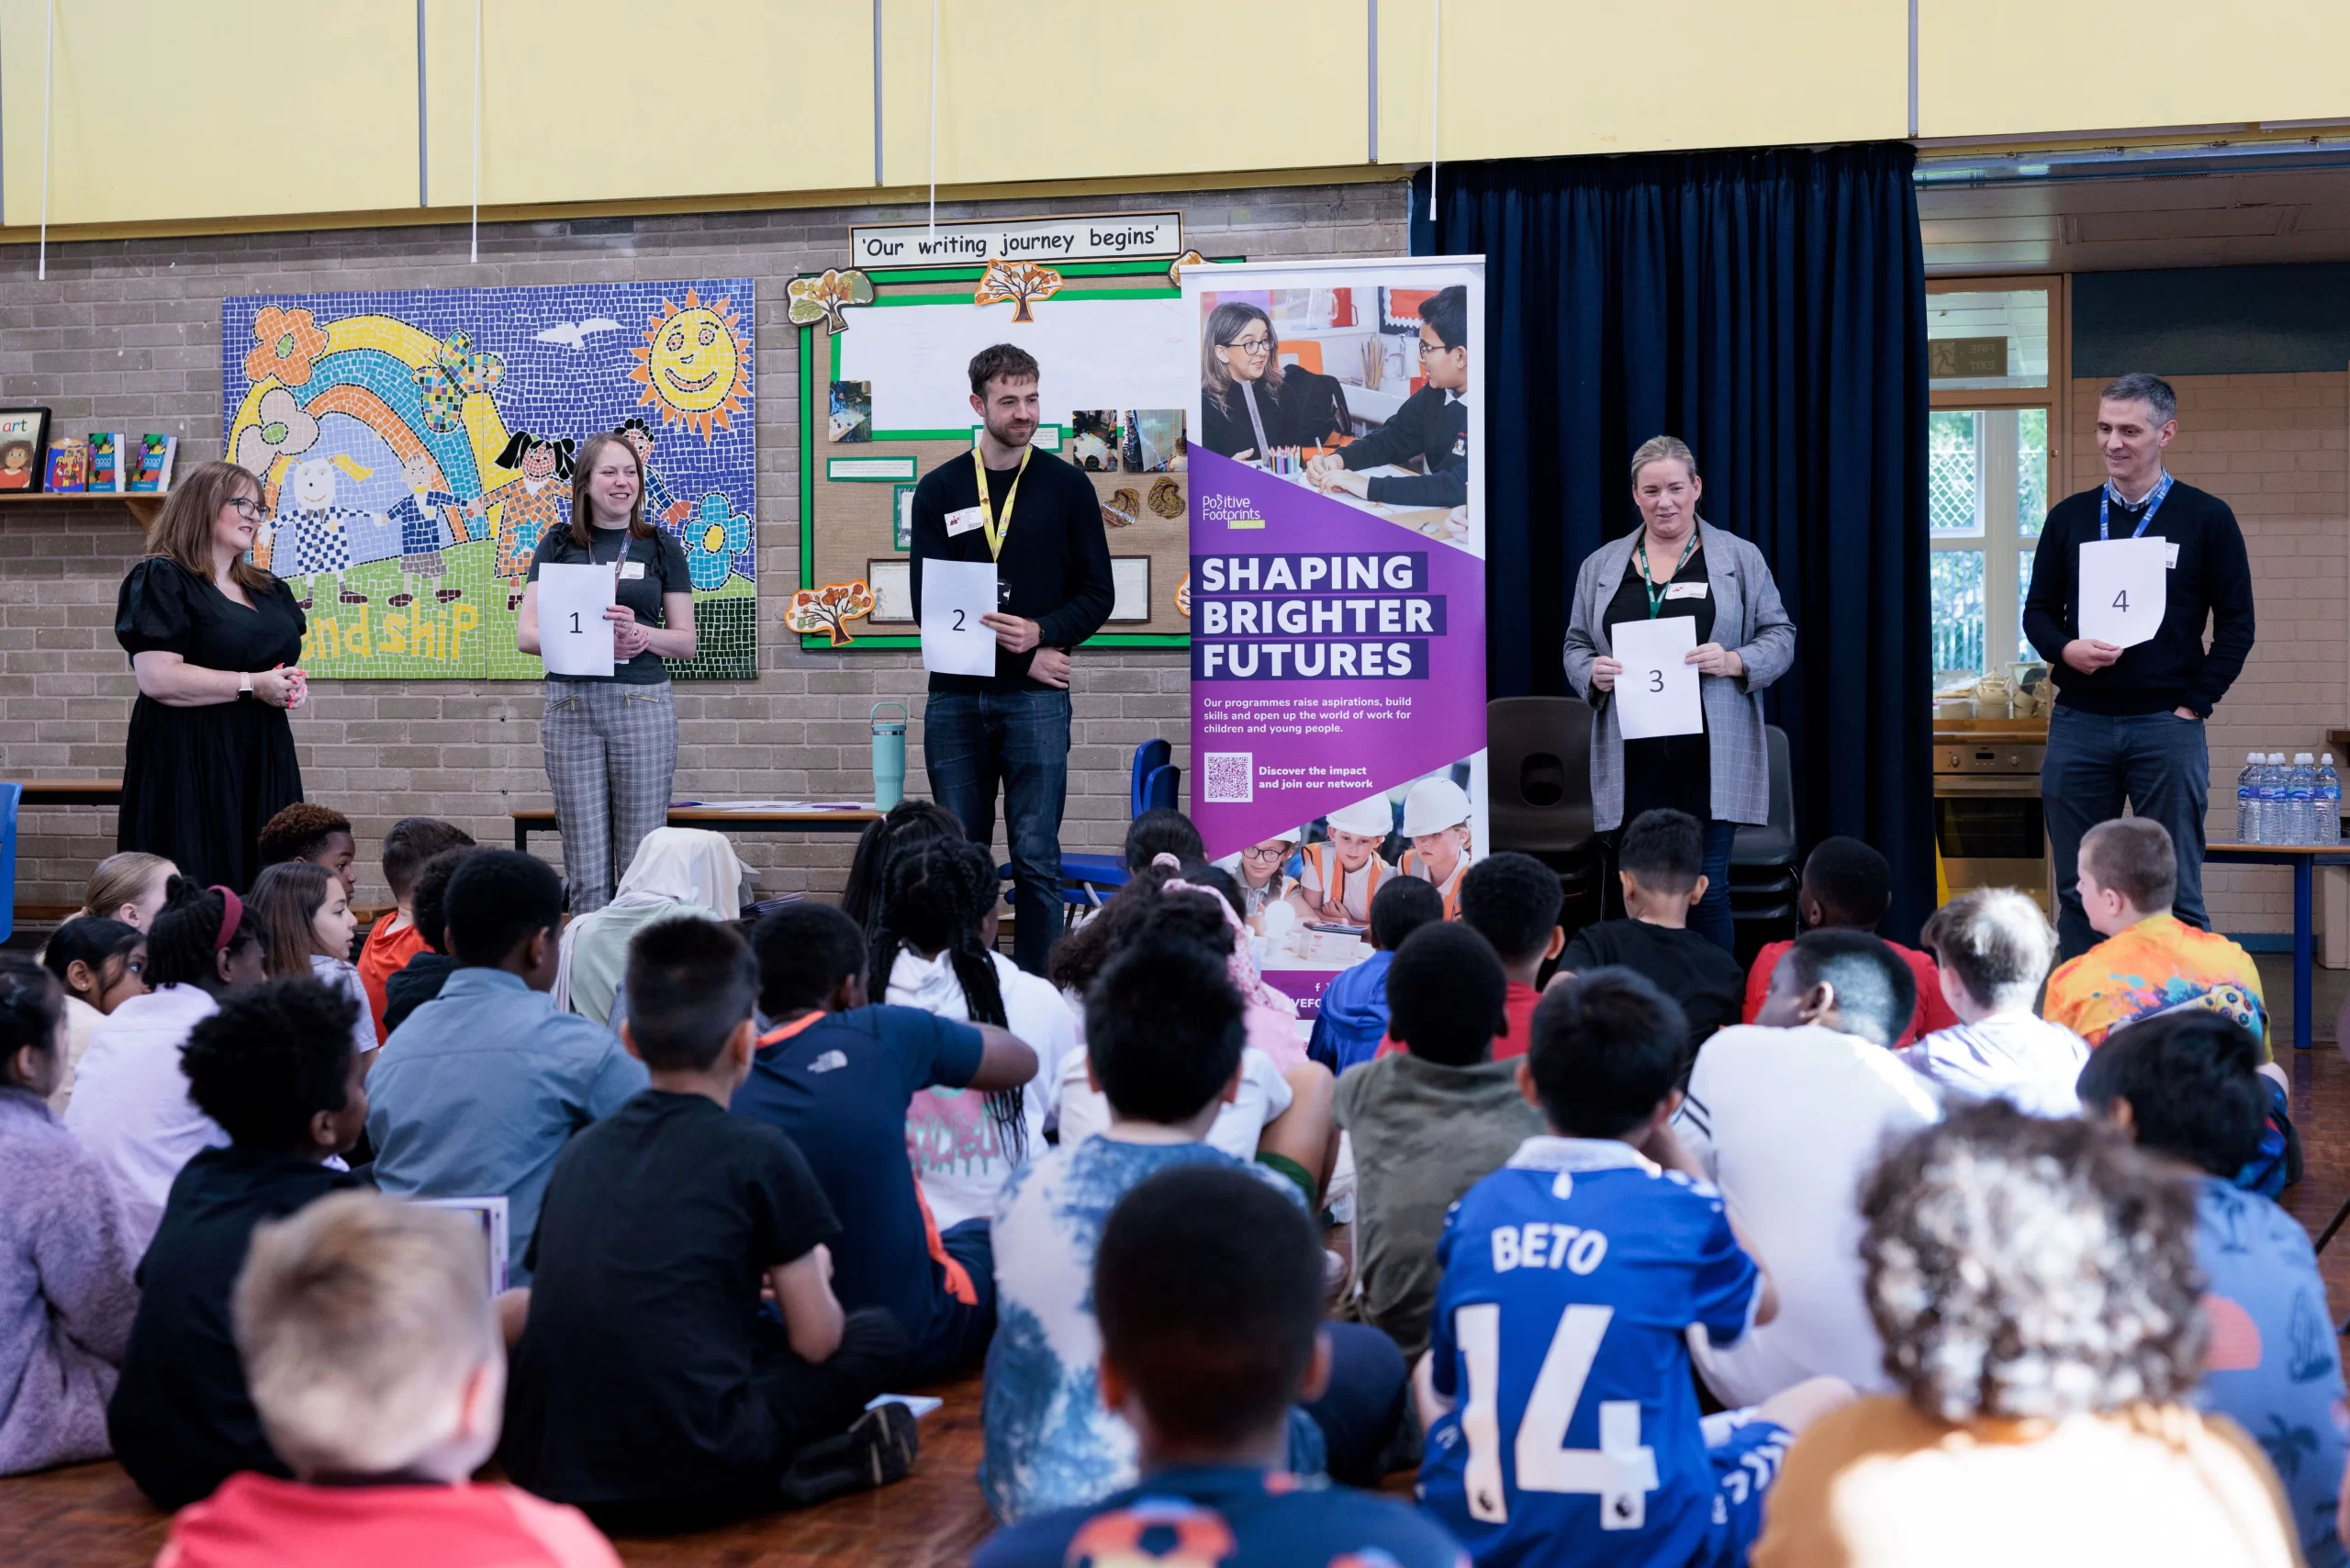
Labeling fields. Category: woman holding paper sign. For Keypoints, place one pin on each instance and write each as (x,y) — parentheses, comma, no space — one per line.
(1677,563)
(611,741)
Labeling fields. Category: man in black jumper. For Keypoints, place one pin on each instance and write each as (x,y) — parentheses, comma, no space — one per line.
(2129,721)
(1432,425)
(1041,523)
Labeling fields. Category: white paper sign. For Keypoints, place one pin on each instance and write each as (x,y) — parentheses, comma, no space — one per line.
(1657,693)
(955,594)
(574,636)
(2123,589)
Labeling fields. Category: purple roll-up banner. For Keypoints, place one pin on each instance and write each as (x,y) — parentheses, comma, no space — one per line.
(1336,593)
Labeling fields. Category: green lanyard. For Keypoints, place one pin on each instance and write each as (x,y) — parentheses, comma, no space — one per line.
(1656,590)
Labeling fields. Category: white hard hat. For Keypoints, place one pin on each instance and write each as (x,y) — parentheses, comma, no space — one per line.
(1286,836)
(1434,805)
(1368,817)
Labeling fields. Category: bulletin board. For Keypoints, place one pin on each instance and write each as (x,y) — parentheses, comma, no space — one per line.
(883,400)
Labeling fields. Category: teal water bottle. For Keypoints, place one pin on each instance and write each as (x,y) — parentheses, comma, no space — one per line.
(889,756)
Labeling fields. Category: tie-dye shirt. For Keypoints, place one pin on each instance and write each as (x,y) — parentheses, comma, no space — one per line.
(2160,965)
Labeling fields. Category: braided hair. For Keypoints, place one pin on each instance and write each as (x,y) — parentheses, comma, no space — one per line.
(933,896)
(31,1003)
(184,942)
(909,823)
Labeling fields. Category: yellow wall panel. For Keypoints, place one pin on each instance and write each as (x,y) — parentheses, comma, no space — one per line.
(1539,78)
(2045,67)
(1076,89)
(607,100)
(179,109)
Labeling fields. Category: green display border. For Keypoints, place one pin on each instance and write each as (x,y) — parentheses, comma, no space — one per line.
(815,642)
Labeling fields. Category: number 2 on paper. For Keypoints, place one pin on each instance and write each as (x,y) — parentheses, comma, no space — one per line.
(959,620)
(1620,1471)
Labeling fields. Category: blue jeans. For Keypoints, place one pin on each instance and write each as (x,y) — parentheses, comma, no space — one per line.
(2160,764)
(973,741)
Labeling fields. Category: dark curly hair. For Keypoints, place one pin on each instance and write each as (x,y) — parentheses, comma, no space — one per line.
(298,831)
(31,1003)
(1085,951)
(273,1057)
(184,942)
(934,894)
(427,906)
(2024,1268)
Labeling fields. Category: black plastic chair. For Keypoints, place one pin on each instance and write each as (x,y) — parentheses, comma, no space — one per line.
(1539,771)
(1764,874)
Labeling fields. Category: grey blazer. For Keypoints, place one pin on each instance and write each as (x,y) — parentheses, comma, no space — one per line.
(1748,618)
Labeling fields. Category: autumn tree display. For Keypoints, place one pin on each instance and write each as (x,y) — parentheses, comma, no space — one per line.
(824,298)
(830,609)
(1018,285)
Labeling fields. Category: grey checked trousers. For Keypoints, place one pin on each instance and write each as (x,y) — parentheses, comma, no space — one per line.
(611,753)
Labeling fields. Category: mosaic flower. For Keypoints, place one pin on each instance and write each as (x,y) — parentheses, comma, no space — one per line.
(716,534)
(287,346)
(284,431)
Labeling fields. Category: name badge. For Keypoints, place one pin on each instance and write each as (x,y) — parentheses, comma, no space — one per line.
(631,569)
(1685,590)
(2170,556)
(962,521)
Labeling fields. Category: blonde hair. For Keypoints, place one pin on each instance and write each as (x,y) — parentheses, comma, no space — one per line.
(184,531)
(1664,449)
(360,1318)
(120,879)
(1996,942)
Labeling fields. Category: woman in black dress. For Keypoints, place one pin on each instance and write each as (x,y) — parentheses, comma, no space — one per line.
(216,642)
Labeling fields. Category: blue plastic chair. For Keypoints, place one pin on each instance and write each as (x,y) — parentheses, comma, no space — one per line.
(1149,757)
(11,797)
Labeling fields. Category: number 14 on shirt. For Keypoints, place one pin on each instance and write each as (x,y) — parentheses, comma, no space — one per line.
(1621,1471)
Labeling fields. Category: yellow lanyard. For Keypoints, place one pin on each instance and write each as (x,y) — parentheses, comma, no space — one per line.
(989,526)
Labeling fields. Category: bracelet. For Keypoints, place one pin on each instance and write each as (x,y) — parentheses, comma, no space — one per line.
(245,684)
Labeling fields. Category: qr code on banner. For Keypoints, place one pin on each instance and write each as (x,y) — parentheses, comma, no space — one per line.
(1231,777)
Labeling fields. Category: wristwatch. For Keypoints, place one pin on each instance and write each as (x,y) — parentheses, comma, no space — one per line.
(245,684)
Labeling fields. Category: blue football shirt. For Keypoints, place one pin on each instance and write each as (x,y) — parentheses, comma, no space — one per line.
(1572,1276)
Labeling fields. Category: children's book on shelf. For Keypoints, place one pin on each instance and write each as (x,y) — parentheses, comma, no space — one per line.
(68,472)
(106,478)
(155,472)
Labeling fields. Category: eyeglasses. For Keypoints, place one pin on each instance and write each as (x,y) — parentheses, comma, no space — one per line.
(1252,345)
(1427,348)
(246,508)
(1264,856)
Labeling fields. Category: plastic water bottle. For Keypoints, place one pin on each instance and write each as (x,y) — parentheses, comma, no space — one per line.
(2328,802)
(2274,809)
(2248,799)
(2301,791)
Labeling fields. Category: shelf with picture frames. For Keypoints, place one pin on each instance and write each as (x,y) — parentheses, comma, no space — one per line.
(146,505)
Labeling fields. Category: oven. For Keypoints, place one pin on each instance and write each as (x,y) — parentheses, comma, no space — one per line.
(1988,818)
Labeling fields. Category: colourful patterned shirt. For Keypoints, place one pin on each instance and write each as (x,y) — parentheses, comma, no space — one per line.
(2160,965)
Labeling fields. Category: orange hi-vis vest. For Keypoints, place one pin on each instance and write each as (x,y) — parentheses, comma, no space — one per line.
(1322,859)
(1410,866)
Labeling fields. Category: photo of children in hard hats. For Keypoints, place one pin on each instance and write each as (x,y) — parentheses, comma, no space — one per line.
(1424,829)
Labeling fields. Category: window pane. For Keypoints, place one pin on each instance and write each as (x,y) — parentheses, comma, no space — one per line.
(1954,472)
(1986,340)
(2032,472)
(1958,610)
(2024,650)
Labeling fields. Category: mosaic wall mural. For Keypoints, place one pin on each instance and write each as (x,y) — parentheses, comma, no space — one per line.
(413,446)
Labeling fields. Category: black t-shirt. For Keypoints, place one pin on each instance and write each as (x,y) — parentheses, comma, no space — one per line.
(182,1420)
(1687,967)
(648,567)
(633,1379)
(1055,569)
(1668,770)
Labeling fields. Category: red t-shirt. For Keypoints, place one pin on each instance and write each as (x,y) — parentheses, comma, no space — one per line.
(1933,1012)
(258,1521)
(1517,1006)
(385,955)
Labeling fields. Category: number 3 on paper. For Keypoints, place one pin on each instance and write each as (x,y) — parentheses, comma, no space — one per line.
(1620,1471)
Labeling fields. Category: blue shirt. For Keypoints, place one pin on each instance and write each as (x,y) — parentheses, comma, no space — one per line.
(838,1086)
(1228,1518)
(1572,1276)
(1352,1018)
(478,1092)
(2274,1366)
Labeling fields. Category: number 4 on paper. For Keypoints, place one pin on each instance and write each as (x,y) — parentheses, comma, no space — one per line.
(2124,589)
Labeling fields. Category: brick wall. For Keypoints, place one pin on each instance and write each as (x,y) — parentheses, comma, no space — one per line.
(2272,448)
(126,335)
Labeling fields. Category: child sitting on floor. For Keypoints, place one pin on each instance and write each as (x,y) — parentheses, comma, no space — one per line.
(1209,1308)
(1427,1122)
(839,1078)
(1848,886)
(1352,1019)
(395,939)
(420,980)
(1993,947)
(320,835)
(308,913)
(1562,1415)
(1662,865)
(1163,1035)
(2151,961)
(130,886)
(66,1298)
(377,1365)
(1162,830)
(275,1067)
(649,1387)
(100,964)
(1513,901)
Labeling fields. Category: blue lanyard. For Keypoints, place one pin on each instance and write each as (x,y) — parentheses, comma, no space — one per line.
(2154,504)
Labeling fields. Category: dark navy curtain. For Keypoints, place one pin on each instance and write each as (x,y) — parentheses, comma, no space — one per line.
(1768,309)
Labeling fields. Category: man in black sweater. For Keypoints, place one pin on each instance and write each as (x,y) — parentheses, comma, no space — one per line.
(1432,425)
(2129,721)
(1040,521)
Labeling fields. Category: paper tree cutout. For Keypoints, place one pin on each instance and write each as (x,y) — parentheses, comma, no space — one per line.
(1017,284)
(1183,596)
(815,300)
(830,609)
(1175,268)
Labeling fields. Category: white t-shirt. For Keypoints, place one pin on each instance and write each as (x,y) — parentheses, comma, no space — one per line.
(2016,1057)
(1787,1122)
(955,1146)
(1264,1094)
(344,977)
(130,1108)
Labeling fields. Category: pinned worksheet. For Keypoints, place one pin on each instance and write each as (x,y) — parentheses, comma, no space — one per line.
(2124,589)
(1657,693)
(955,594)
(574,636)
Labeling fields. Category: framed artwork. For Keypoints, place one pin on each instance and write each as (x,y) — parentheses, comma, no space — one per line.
(24,441)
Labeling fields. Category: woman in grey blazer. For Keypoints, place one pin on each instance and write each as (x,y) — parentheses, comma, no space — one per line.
(1677,564)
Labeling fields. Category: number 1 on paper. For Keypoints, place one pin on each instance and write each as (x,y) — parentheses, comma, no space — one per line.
(574,636)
